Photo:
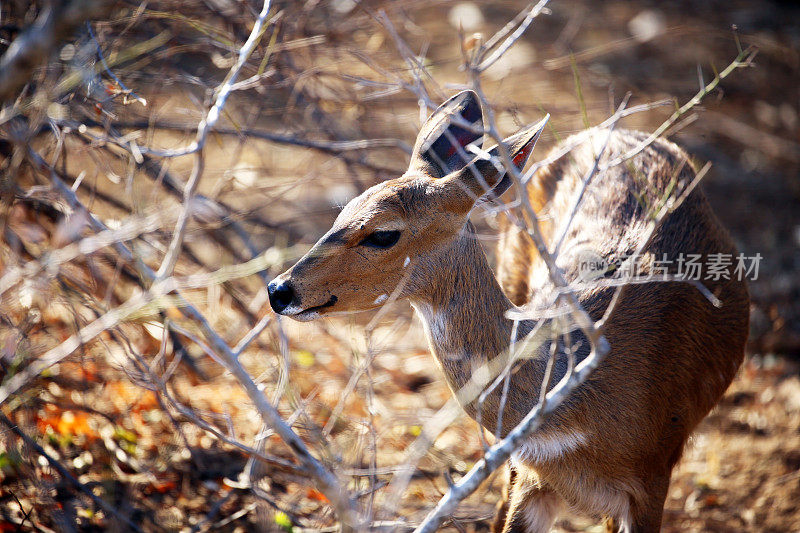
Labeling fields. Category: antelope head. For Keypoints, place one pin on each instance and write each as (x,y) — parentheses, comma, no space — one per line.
(392,238)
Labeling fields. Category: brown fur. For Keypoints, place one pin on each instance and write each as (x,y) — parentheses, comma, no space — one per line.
(610,449)
(673,354)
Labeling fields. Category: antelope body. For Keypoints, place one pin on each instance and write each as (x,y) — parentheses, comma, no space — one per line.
(610,448)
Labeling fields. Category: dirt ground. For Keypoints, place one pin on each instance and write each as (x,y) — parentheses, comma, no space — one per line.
(349,396)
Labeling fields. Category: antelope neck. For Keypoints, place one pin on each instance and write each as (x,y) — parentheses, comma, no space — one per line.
(463,309)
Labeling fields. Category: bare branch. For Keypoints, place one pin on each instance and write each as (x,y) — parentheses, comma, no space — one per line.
(67,475)
(327,480)
(587,180)
(34,46)
(533,12)
(206,125)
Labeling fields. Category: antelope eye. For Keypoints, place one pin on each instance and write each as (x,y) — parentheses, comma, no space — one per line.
(381,239)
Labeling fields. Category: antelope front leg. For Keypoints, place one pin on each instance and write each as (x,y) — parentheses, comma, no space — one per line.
(646,516)
(531,508)
(502,505)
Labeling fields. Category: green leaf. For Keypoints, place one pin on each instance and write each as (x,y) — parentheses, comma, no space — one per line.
(283,521)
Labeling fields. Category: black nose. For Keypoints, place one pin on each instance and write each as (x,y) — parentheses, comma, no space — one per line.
(281,295)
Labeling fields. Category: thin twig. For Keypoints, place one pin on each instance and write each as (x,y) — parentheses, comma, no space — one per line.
(34,45)
(206,125)
(328,483)
(72,480)
(587,180)
(514,37)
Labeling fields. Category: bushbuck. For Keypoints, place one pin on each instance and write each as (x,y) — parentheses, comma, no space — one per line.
(608,450)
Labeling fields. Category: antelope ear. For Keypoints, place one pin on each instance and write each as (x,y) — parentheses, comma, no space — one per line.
(485,174)
(441,145)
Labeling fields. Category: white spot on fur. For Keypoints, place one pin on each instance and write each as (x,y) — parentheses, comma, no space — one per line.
(305,316)
(380,299)
(291,310)
(610,501)
(296,313)
(539,449)
(435,323)
(406,262)
(596,497)
(438,326)
(392,225)
(541,511)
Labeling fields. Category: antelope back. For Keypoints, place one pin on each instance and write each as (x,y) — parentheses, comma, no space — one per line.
(673,353)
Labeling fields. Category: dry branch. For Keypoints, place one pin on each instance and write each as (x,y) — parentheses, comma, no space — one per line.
(34,46)
(327,481)
(206,125)
(66,474)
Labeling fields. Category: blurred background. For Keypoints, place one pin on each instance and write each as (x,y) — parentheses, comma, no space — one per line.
(326,106)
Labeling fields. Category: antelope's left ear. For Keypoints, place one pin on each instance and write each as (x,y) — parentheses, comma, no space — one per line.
(485,174)
(520,147)
(441,146)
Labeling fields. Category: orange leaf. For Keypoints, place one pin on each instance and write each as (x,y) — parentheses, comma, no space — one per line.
(66,423)
(314,494)
(164,486)
(130,398)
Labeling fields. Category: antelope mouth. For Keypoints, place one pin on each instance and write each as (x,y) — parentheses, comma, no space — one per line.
(313,312)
